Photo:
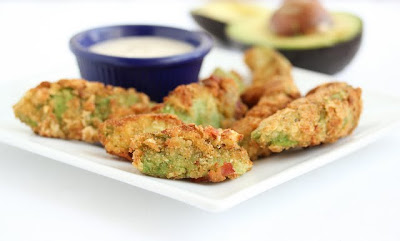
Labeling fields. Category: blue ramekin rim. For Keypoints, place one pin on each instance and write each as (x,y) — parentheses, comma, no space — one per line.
(204,47)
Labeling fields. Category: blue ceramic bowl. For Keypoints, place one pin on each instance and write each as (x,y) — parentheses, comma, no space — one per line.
(154,76)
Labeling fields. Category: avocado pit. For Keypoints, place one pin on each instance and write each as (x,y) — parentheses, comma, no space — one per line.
(297,17)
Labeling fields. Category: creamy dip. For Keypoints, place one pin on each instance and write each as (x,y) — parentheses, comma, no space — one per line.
(141,47)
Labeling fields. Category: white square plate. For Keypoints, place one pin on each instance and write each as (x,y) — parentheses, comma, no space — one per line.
(379,115)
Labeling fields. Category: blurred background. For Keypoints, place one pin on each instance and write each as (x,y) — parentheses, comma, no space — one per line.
(355,198)
(36,33)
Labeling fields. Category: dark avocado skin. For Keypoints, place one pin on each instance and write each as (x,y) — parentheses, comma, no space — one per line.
(328,60)
(214,27)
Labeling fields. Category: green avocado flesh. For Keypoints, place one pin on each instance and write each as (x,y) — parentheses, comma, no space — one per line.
(127,100)
(282,140)
(204,111)
(224,74)
(276,138)
(187,162)
(255,31)
(102,110)
(162,164)
(27,120)
(60,101)
(228,12)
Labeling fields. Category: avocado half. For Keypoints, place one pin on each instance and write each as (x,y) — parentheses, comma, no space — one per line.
(327,52)
(216,16)
(243,25)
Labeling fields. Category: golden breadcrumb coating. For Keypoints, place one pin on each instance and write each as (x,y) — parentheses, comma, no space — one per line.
(213,101)
(218,72)
(74,108)
(266,107)
(190,151)
(115,134)
(328,112)
(266,65)
(278,93)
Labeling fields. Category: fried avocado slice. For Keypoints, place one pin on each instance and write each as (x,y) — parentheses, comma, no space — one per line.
(213,101)
(266,107)
(192,103)
(327,113)
(115,134)
(190,151)
(74,108)
(218,72)
(278,94)
(266,65)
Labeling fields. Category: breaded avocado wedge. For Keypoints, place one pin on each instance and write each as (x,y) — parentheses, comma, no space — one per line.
(190,151)
(74,108)
(213,101)
(328,112)
(269,69)
(272,89)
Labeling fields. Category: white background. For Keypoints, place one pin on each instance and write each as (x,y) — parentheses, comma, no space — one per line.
(355,198)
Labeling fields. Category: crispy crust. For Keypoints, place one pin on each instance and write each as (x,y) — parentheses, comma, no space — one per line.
(181,97)
(115,134)
(226,91)
(266,65)
(273,89)
(190,151)
(266,107)
(221,95)
(74,108)
(328,112)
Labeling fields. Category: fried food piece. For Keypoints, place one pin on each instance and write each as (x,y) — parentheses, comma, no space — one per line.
(266,65)
(327,113)
(266,107)
(74,108)
(115,134)
(190,151)
(213,101)
(230,75)
(278,93)
(272,89)
(226,90)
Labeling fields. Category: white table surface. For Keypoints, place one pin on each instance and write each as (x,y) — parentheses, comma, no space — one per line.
(355,198)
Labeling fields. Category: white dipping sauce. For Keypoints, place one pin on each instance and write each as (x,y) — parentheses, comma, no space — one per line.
(142,47)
